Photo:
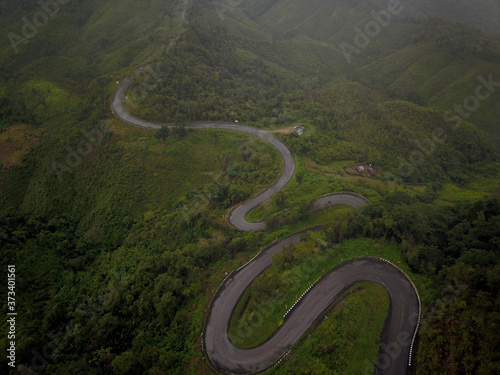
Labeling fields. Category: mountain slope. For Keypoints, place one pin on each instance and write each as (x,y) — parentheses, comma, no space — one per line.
(121,255)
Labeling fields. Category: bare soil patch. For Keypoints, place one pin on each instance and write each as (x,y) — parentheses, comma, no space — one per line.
(16,142)
(286,130)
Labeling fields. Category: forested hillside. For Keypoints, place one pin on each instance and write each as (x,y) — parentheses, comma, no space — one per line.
(118,233)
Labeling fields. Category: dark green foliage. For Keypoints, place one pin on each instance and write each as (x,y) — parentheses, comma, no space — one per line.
(180,131)
(163,133)
(288,215)
(459,247)
(280,200)
(299,177)
(119,258)
(338,345)
(215,83)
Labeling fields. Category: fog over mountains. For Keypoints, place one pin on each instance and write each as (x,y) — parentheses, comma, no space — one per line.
(119,235)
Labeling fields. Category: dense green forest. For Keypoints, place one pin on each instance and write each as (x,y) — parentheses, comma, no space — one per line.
(453,251)
(118,233)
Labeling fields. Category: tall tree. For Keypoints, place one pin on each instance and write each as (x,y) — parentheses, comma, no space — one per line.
(162,134)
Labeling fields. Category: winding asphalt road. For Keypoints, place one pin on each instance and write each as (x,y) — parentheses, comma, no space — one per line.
(397,336)
(236,217)
(223,355)
(183,13)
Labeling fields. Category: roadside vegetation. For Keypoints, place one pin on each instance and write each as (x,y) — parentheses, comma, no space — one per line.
(120,240)
(348,340)
(291,273)
(439,248)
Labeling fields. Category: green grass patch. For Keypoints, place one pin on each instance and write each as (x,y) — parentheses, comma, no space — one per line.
(348,341)
(315,183)
(316,219)
(487,183)
(292,282)
(15,142)
(454,193)
(320,218)
(339,165)
(147,176)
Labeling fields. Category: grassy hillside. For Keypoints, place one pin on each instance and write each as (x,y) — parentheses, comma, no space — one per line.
(302,76)
(144,176)
(120,240)
(481,15)
(362,309)
(441,69)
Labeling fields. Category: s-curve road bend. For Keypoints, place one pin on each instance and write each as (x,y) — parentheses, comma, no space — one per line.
(401,323)
(397,336)
(237,216)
